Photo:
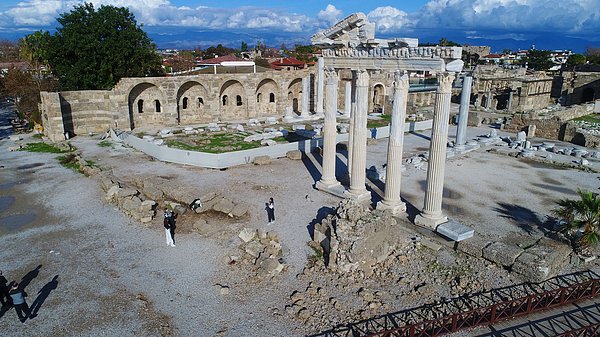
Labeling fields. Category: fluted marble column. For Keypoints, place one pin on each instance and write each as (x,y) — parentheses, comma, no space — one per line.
(393,173)
(431,215)
(463,114)
(329,132)
(305,93)
(359,139)
(320,80)
(347,99)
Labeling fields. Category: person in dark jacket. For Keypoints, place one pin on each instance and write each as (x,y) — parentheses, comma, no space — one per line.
(18,298)
(4,297)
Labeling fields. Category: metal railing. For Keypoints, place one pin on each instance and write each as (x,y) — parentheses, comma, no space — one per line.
(479,309)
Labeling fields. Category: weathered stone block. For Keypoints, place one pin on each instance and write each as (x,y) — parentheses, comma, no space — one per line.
(474,246)
(262,160)
(294,155)
(502,253)
(247,234)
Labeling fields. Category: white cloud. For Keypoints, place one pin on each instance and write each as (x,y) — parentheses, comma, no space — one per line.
(330,14)
(538,15)
(42,13)
(389,19)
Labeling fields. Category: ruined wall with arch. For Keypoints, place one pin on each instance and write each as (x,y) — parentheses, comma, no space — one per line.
(171,101)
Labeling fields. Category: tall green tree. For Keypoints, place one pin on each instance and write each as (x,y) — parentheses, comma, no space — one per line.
(94,49)
(575,60)
(34,48)
(538,60)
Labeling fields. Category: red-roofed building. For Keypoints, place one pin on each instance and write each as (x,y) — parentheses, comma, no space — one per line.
(288,63)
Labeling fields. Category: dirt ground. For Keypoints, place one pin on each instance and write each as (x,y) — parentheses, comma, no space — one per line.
(117,277)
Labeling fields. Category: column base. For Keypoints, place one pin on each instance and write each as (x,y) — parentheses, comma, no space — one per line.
(430,223)
(359,196)
(334,188)
(396,208)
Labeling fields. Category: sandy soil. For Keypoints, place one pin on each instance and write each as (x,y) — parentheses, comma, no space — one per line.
(118,278)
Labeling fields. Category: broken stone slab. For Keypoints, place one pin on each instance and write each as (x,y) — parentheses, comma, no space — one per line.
(247,234)
(239,210)
(224,206)
(455,231)
(425,242)
(502,253)
(268,142)
(254,248)
(543,260)
(126,192)
(271,266)
(474,246)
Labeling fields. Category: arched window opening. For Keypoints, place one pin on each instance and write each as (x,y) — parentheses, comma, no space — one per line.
(140,106)
(238,100)
(224,100)
(200,101)
(185,103)
(271,98)
(157,104)
(258,98)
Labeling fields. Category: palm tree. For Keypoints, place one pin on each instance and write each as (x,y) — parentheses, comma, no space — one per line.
(581,218)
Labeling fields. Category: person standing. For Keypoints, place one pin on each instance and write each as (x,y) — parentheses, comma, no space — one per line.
(167,224)
(271,211)
(4,296)
(18,298)
(172,226)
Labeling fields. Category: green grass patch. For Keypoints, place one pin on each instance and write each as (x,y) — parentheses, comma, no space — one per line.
(591,118)
(69,161)
(42,147)
(214,143)
(105,143)
(37,136)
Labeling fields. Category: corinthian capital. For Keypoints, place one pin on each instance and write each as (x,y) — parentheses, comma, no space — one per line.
(401,80)
(445,80)
(331,76)
(362,78)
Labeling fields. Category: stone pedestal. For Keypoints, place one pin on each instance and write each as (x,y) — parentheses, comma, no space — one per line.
(463,115)
(359,139)
(320,80)
(431,215)
(391,199)
(289,115)
(305,92)
(347,99)
(328,179)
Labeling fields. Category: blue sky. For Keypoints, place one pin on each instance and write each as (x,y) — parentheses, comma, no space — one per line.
(549,23)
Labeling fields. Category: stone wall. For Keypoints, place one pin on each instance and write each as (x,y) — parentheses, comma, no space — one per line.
(551,125)
(580,87)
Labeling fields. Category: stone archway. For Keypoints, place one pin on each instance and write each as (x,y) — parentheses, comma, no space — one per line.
(295,95)
(378,97)
(232,106)
(145,104)
(266,97)
(190,103)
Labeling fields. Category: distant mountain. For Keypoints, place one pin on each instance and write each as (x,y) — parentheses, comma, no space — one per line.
(189,38)
(186,38)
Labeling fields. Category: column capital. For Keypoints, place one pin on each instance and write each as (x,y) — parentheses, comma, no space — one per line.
(331,76)
(362,78)
(401,79)
(445,80)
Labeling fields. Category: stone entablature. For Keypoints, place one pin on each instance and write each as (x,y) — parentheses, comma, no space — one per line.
(351,44)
